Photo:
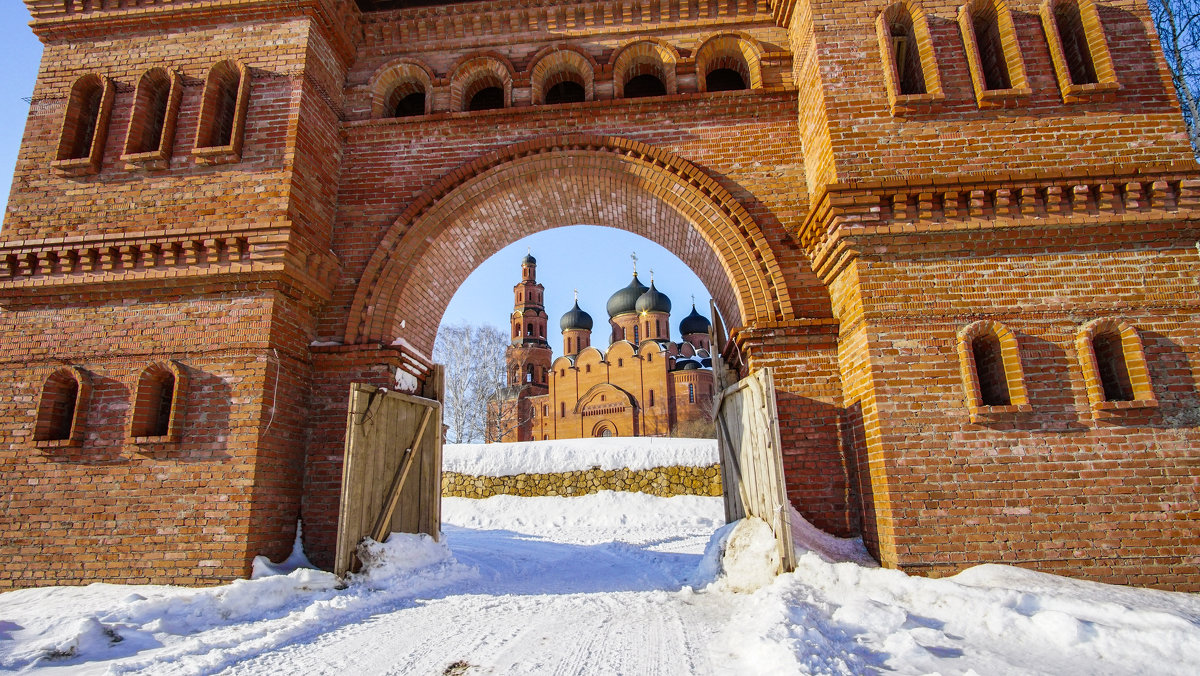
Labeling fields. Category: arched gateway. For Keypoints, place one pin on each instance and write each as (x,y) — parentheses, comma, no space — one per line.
(853,200)
(557,181)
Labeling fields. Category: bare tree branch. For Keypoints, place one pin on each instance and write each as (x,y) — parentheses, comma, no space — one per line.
(1178,25)
(473,357)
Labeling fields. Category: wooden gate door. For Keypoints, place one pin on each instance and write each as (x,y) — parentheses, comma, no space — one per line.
(391,471)
(751,453)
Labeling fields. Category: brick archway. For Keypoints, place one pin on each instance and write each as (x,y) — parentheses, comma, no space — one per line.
(545,183)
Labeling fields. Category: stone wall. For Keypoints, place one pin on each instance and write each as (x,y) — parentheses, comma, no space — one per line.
(660,481)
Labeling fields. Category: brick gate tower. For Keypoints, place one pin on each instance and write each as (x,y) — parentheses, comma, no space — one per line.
(962,234)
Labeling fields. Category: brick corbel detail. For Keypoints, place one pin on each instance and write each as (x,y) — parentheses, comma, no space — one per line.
(839,212)
(198,257)
(340,20)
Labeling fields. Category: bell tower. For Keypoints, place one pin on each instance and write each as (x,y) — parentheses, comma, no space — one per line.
(528,356)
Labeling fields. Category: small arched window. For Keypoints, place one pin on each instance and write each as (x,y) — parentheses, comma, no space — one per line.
(1078,48)
(566,91)
(993,54)
(407,99)
(529,330)
(562,409)
(157,407)
(85,127)
(222,124)
(1068,25)
(561,75)
(909,65)
(651,398)
(989,369)
(62,407)
(482,83)
(990,364)
(636,337)
(644,68)
(1114,366)
(729,62)
(152,124)
(644,85)
(691,393)
(401,88)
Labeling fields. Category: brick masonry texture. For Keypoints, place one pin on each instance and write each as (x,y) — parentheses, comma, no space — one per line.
(660,481)
(847,237)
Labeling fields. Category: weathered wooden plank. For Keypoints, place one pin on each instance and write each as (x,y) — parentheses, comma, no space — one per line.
(431,465)
(783,532)
(752,459)
(412,452)
(379,426)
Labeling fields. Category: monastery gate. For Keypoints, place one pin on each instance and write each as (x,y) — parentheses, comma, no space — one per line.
(966,253)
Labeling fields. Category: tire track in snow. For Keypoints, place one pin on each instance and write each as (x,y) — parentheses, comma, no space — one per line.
(644,633)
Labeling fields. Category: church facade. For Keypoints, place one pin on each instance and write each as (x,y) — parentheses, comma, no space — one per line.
(642,384)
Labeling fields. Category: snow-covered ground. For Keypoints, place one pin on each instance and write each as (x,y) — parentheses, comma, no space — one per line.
(569,455)
(609,583)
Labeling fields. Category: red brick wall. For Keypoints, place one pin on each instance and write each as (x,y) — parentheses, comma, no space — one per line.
(1060,488)
(112,510)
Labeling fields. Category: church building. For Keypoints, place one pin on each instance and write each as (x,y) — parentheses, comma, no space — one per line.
(643,384)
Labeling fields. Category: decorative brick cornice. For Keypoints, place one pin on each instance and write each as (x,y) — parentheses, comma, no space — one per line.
(74,19)
(841,211)
(34,270)
(508,21)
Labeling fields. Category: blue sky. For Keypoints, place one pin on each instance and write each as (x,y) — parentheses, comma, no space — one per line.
(593,259)
(18,69)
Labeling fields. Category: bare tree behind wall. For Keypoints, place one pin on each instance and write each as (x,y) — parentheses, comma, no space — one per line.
(473,357)
(1178,24)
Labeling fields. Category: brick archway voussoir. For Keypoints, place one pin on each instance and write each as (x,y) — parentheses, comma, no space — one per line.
(670,182)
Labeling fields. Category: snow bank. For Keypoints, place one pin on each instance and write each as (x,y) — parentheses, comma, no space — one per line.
(842,618)
(262,566)
(807,537)
(751,557)
(597,517)
(569,455)
(208,629)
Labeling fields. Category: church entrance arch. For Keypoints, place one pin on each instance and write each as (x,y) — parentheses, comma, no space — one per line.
(604,428)
(499,198)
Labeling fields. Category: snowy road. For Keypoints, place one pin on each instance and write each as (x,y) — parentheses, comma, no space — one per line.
(532,611)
